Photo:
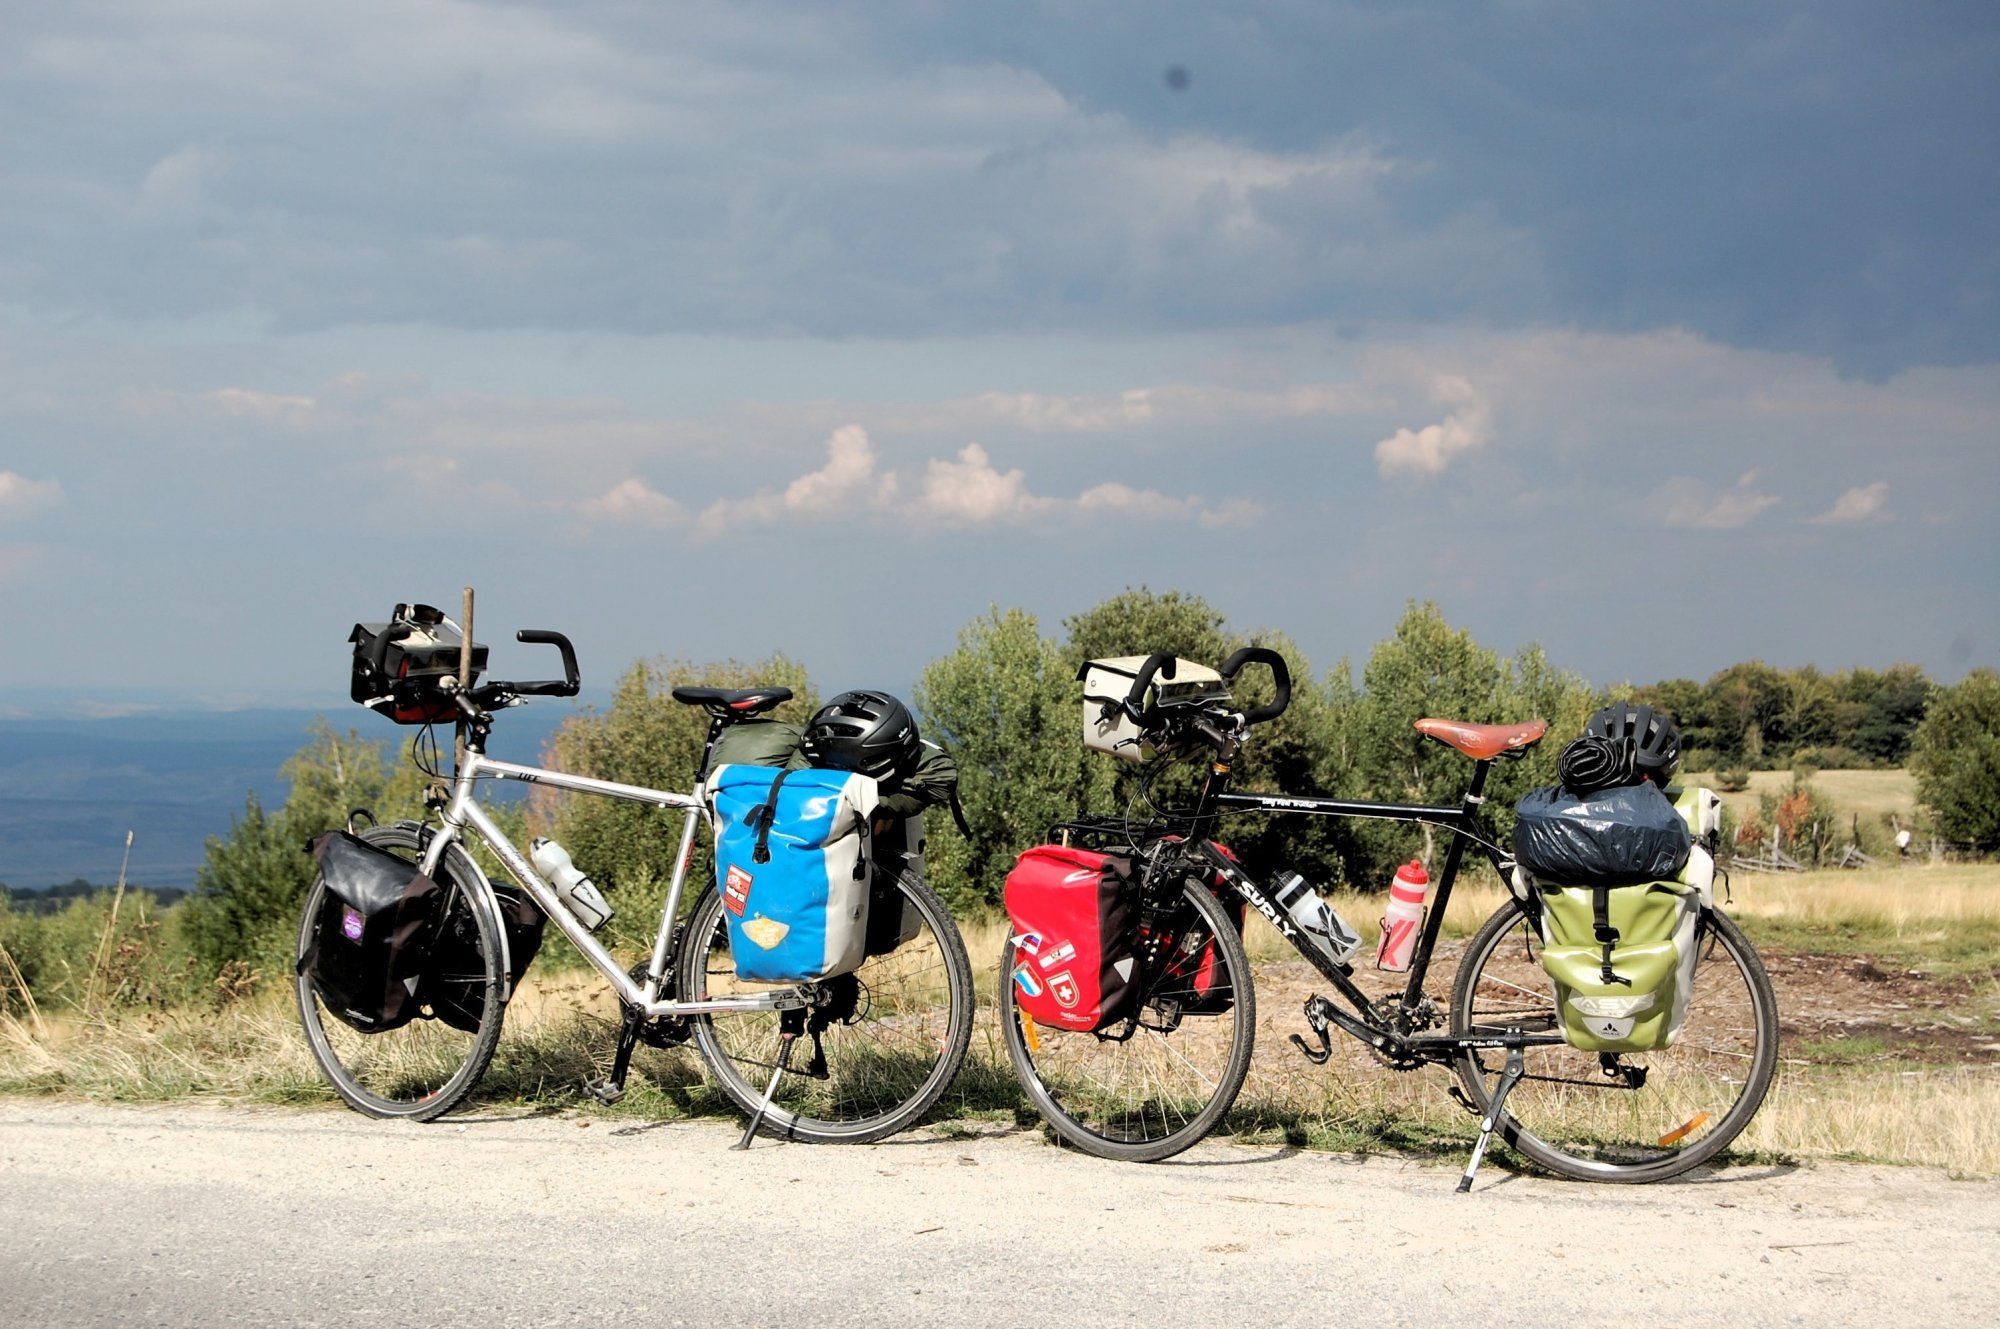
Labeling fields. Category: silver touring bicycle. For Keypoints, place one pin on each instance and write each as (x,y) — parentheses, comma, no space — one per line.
(851,1058)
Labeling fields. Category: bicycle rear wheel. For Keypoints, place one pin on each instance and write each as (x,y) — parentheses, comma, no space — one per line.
(427,1067)
(1655,1114)
(1155,1084)
(904,1024)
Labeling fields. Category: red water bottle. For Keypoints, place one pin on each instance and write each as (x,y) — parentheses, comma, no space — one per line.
(1403,917)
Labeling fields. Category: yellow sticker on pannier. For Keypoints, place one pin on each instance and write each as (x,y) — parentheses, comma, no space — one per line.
(766,932)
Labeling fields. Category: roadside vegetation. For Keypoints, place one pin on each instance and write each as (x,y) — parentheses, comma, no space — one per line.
(1888,976)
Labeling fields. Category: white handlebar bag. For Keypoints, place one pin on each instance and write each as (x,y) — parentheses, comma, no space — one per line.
(792,862)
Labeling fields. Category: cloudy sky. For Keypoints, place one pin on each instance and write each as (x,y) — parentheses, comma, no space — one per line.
(1665,336)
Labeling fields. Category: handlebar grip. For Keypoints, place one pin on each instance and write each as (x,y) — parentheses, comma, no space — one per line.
(1280,674)
(1160,662)
(570,683)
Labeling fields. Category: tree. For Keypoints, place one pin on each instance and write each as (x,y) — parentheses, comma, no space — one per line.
(1005,705)
(252,884)
(1955,756)
(647,738)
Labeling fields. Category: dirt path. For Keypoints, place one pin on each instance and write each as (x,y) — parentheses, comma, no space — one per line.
(188,1215)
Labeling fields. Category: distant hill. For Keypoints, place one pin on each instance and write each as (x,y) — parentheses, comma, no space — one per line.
(71,788)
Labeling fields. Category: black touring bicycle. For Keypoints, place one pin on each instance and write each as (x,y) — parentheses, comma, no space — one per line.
(1159,1079)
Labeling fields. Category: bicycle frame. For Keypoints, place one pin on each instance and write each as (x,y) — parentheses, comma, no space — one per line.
(1387,1033)
(464,811)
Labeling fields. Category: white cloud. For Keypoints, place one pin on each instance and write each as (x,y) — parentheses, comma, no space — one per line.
(22,497)
(1427,451)
(1860,504)
(1691,503)
(971,491)
(848,485)
(294,412)
(633,502)
(961,491)
(175,189)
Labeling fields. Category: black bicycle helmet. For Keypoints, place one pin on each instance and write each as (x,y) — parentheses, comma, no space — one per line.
(1655,742)
(864,731)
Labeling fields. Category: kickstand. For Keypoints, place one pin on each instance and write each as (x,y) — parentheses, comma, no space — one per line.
(1508,1078)
(788,1038)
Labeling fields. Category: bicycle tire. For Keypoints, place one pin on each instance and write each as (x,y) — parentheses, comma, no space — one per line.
(425,1068)
(1169,1081)
(886,1067)
(1565,1114)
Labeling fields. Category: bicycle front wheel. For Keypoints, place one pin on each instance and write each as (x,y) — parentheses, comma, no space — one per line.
(1635,1116)
(1154,1084)
(903,1022)
(427,1067)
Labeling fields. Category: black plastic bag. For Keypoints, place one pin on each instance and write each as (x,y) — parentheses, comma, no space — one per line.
(1610,837)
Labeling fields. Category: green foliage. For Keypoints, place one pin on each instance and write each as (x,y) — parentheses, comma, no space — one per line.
(1956,759)
(249,890)
(98,952)
(646,738)
(1753,715)
(1005,705)
(1430,669)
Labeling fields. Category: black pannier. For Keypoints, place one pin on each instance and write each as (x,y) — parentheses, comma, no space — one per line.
(397,677)
(455,976)
(377,920)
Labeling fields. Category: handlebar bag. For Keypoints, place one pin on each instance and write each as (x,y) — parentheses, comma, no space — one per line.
(1075,936)
(404,687)
(369,947)
(793,864)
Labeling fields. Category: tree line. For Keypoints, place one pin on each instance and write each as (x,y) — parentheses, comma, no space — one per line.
(1006,703)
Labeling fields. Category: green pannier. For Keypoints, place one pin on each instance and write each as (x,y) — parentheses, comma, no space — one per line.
(1631,996)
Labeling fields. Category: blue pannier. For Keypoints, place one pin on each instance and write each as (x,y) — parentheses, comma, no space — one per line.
(792,862)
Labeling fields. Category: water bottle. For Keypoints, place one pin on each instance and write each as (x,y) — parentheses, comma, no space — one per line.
(1403,918)
(579,892)
(1325,929)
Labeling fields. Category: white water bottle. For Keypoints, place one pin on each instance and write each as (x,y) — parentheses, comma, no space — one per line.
(1325,929)
(578,891)
(1403,918)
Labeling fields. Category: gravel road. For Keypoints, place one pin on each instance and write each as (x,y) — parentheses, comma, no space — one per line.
(202,1215)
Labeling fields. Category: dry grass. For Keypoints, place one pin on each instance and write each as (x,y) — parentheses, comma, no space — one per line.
(1894,899)
(1938,1118)
(559,1032)
(1867,794)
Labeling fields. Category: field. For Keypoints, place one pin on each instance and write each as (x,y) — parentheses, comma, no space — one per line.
(1867,794)
(1888,984)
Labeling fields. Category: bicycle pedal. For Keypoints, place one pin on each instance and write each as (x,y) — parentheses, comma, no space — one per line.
(604,1091)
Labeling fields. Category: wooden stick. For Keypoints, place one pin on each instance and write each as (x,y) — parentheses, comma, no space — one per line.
(464,674)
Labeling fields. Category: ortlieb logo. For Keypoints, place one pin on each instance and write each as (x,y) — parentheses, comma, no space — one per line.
(736,890)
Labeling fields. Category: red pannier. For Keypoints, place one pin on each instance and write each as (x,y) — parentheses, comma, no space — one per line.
(1075,929)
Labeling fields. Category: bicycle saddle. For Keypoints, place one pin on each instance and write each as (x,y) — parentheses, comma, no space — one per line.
(738,701)
(1484,742)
